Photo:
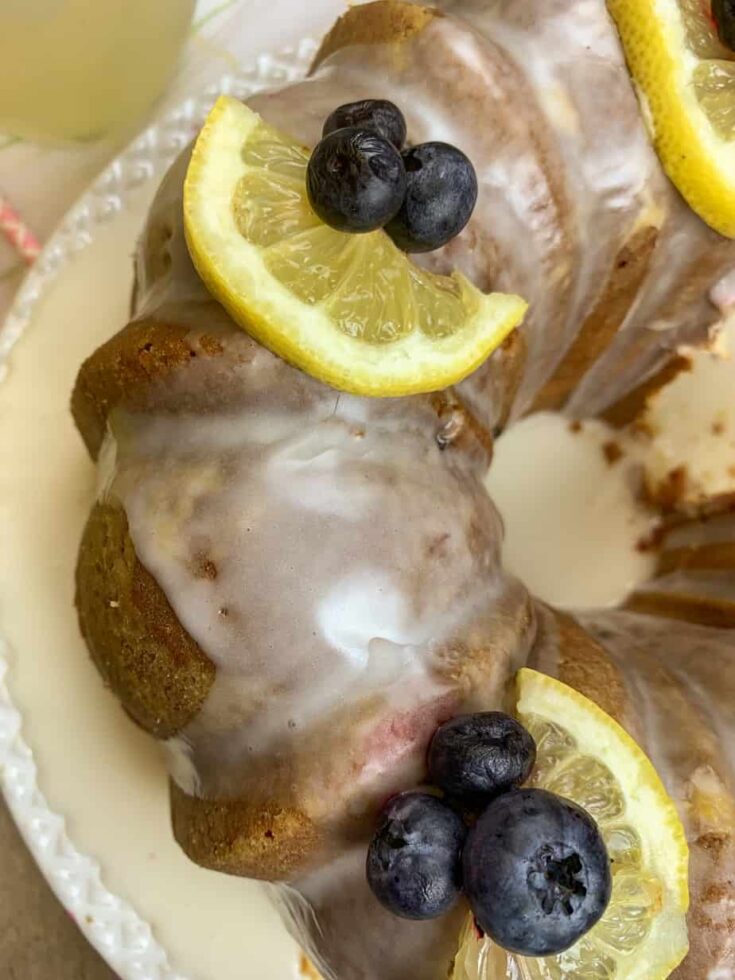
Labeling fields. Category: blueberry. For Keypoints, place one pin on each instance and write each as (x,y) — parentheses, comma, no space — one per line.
(441,192)
(723,12)
(480,755)
(355,180)
(376,115)
(536,872)
(414,860)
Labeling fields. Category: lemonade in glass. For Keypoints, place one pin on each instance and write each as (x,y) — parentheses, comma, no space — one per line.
(79,69)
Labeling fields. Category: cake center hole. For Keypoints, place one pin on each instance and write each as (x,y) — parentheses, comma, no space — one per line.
(573,520)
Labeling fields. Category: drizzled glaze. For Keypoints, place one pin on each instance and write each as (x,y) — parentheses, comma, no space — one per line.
(325,554)
(337,563)
(537,94)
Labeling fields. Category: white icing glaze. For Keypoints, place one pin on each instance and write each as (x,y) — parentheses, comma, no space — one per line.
(324,552)
(382,546)
(539,97)
(561,190)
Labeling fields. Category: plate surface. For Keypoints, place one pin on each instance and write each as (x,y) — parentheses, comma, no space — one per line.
(86,788)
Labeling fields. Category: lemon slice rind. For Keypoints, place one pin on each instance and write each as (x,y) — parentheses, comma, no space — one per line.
(696,158)
(581,733)
(234,271)
(648,808)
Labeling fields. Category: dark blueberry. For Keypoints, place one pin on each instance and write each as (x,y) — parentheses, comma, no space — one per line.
(355,180)
(414,860)
(441,192)
(536,872)
(376,115)
(475,756)
(723,12)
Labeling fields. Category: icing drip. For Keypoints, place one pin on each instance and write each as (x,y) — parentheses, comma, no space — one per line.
(327,555)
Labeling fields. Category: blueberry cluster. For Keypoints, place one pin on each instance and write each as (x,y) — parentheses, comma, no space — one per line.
(723,12)
(532,865)
(361,178)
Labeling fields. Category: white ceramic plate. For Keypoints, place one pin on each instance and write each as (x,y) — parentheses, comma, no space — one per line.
(88,790)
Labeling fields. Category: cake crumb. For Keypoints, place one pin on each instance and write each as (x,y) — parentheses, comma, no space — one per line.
(718,427)
(713,842)
(575,426)
(204,567)
(644,428)
(114,604)
(672,490)
(210,345)
(653,540)
(612,452)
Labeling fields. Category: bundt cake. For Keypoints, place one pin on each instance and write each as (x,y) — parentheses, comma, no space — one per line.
(290,586)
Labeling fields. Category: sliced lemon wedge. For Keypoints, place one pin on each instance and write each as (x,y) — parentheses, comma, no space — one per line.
(584,755)
(352,310)
(686,79)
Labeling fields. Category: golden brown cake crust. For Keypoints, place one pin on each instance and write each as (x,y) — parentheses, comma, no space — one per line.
(385,21)
(602,325)
(565,650)
(144,654)
(702,611)
(239,839)
(719,556)
(585,666)
(127,368)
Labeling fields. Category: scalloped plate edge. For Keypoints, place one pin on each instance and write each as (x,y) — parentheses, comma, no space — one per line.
(110,923)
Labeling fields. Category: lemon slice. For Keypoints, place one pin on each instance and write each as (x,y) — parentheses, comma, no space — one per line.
(587,757)
(686,78)
(352,310)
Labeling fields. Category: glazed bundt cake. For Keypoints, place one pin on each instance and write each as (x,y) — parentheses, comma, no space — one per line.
(291,586)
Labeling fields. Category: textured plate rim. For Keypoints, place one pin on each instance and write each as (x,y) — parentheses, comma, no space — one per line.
(110,923)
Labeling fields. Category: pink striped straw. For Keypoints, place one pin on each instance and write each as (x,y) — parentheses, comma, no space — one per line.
(18,233)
